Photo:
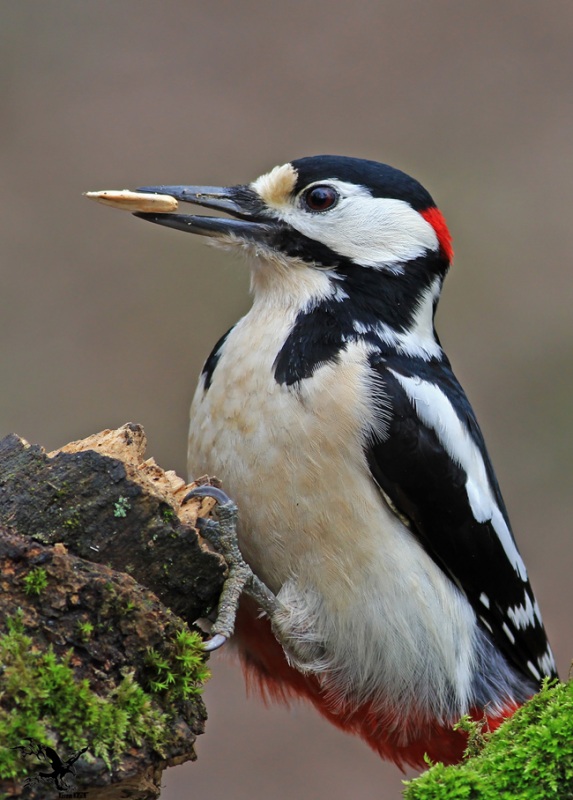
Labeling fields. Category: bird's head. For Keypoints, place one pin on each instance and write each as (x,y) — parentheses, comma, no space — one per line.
(325,226)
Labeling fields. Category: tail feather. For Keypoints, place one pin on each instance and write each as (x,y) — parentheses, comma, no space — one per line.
(268,673)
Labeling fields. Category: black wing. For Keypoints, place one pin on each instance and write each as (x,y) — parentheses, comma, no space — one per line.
(418,468)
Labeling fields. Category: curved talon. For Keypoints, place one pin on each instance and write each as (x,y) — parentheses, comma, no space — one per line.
(209,491)
(216,641)
(204,524)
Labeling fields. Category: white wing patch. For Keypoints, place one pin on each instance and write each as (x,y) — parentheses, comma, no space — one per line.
(525,615)
(436,411)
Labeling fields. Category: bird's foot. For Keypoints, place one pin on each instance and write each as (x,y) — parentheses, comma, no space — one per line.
(222,535)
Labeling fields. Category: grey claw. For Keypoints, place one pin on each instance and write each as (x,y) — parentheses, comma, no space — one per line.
(216,641)
(209,491)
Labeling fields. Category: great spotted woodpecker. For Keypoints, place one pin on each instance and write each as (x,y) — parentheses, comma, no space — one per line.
(369,505)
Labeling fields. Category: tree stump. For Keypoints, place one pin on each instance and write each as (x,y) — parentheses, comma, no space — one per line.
(103,575)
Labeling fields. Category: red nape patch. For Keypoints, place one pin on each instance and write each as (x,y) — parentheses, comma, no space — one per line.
(436,219)
(404,741)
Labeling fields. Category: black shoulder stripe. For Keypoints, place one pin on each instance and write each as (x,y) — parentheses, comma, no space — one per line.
(213,360)
(316,338)
(366,297)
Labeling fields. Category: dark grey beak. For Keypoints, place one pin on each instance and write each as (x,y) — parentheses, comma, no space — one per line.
(245,206)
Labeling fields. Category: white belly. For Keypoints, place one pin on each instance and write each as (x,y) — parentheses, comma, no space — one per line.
(314,526)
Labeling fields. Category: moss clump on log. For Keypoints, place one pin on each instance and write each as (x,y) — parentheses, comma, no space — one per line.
(529,757)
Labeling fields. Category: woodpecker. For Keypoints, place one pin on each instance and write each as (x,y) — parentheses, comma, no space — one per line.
(369,505)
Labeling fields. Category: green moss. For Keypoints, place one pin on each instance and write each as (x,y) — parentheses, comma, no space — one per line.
(85,630)
(179,670)
(35,581)
(168,514)
(60,492)
(128,607)
(73,519)
(121,508)
(44,695)
(529,757)
(115,604)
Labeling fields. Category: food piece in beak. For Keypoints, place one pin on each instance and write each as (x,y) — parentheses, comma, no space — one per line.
(127,200)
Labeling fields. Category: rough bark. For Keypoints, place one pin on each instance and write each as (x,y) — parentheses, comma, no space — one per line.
(106,567)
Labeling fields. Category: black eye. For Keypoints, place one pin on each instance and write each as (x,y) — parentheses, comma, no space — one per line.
(320,198)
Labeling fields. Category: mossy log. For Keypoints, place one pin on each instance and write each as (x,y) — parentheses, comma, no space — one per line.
(529,757)
(102,573)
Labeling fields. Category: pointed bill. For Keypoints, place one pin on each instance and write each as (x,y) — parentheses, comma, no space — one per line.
(155,204)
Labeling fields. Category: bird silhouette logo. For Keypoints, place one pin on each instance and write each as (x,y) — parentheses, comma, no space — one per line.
(59,768)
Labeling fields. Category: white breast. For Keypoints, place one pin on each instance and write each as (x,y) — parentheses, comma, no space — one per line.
(291,456)
(315,528)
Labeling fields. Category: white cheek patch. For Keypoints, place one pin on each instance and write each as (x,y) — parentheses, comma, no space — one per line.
(371,231)
(436,411)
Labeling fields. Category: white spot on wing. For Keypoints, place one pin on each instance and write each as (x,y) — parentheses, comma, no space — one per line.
(523,616)
(508,632)
(547,662)
(484,599)
(436,411)
(534,671)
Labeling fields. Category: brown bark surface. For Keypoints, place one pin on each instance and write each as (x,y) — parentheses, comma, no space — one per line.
(119,552)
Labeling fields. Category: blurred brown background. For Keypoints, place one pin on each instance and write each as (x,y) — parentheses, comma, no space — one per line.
(105,319)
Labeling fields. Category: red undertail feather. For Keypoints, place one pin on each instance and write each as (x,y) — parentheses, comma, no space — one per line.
(267,671)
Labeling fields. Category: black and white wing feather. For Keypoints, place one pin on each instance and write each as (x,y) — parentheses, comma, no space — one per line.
(434,468)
